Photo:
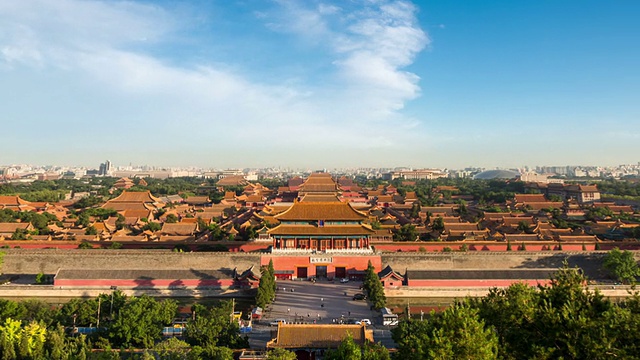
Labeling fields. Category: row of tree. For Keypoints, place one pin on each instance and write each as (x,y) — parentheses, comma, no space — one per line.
(34,330)
(561,320)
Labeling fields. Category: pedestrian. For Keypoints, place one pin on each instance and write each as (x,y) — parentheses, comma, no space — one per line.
(349,313)
(308,314)
(284,289)
(321,299)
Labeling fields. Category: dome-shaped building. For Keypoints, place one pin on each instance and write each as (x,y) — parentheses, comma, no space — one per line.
(497,174)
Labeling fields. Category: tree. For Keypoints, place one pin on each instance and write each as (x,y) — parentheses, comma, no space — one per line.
(438,224)
(372,351)
(140,321)
(215,232)
(407,232)
(85,245)
(523,226)
(561,320)
(172,348)
(415,210)
(120,222)
(81,312)
(10,335)
(622,265)
(348,350)
(373,286)
(211,326)
(115,245)
(20,234)
(218,353)
(456,333)
(32,340)
(152,226)
(55,344)
(90,230)
(171,218)
(266,286)
(40,278)
(281,354)
(462,208)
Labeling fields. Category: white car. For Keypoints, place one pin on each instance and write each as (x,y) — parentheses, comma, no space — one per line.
(277,322)
(366,322)
(344,280)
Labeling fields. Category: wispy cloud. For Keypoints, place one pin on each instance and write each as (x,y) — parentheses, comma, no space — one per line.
(108,47)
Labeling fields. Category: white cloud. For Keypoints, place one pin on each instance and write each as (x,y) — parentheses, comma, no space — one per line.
(100,44)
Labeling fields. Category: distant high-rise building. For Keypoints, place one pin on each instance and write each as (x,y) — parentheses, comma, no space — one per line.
(105,168)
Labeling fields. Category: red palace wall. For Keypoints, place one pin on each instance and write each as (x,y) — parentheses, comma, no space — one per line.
(158,283)
(350,263)
(474,283)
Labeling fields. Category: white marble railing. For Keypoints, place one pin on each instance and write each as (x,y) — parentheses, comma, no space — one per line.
(367,250)
(292,250)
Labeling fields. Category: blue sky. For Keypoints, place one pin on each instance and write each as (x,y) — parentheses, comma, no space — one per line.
(260,83)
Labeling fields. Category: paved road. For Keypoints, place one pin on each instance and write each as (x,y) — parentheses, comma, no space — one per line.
(321,302)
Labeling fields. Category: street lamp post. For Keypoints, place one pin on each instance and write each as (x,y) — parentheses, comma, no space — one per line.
(113,289)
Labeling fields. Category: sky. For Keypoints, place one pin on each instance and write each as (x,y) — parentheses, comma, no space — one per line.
(320,84)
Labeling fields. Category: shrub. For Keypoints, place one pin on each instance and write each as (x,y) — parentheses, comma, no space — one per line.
(181,248)
(41,278)
(85,245)
(446,249)
(115,245)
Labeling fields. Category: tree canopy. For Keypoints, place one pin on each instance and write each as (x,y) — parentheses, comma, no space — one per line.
(560,320)
(622,265)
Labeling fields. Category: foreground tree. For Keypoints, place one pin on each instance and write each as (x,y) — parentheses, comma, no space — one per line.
(281,354)
(622,265)
(349,350)
(140,321)
(456,333)
(212,326)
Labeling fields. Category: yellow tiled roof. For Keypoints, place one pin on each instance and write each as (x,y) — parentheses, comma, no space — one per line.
(321,211)
(332,230)
(327,336)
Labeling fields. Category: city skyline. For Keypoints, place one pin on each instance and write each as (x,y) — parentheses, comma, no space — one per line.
(320,84)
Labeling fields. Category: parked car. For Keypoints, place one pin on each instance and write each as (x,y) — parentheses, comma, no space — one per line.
(359,296)
(277,322)
(366,322)
(344,280)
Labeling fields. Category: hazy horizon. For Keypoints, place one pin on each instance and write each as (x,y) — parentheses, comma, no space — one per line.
(320,84)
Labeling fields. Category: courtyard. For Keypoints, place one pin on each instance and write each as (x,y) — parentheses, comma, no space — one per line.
(323,302)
